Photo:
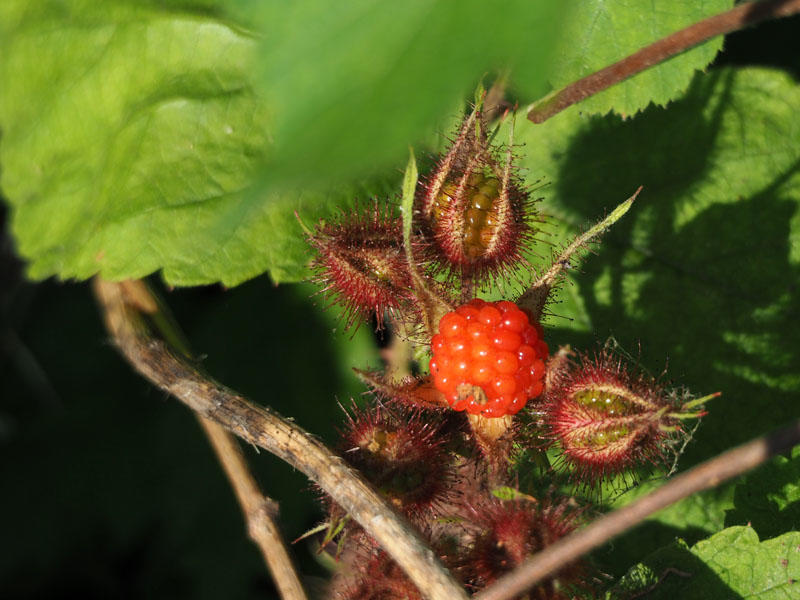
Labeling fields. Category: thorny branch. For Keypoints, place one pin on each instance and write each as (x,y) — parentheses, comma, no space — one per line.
(169,370)
(743,15)
(704,476)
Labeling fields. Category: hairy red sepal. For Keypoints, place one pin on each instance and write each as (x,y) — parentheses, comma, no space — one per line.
(607,419)
(361,265)
(473,213)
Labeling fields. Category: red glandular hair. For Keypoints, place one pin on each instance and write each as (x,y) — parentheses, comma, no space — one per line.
(606,419)
(405,454)
(374,576)
(473,214)
(361,265)
(509,532)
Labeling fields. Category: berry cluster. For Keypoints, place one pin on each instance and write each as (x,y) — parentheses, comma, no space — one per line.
(443,448)
(493,347)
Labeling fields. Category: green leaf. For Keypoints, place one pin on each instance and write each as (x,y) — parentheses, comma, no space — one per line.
(697,277)
(769,498)
(697,274)
(730,564)
(131,135)
(598,33)
(351,87)
(407,202)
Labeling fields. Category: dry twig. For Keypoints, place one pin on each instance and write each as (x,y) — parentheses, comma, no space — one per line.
(258,425)
(704,476)
(259,511)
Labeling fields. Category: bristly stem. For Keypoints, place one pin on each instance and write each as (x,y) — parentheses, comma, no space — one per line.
(704,476)
(535,297)
(170,370)
(743,15)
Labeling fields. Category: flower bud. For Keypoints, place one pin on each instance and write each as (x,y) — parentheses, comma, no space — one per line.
(404,453)
(473,215)
(512,531)
(607,420)
(377,577)
(361,264)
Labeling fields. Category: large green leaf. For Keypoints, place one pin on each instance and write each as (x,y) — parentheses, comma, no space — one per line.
(351,87)
(730,564)
(699,275)
(128,134)
(132,131)
(700,271)
(601,32)
(131,134)
(769,498)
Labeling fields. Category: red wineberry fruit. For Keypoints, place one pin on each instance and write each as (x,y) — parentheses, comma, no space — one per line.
(488,359)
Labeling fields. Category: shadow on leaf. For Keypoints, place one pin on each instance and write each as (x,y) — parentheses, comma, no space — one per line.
(703,282)
(669,573)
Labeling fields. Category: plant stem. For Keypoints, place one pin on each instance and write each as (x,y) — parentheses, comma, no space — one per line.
(743,15)
(259,511)
(704,476)
(259,425)
(431,306)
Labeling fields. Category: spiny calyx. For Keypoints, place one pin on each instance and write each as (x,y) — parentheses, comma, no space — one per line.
(360,264)
(606,419)
(473,215)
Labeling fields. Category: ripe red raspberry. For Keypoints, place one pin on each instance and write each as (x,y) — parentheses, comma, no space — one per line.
(492,346)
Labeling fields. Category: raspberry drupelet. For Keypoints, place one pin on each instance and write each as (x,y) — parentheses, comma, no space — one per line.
(491,346)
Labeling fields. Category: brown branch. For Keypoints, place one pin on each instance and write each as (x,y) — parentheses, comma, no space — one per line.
(743,15)
(704,476)
(260,426)
(259,512)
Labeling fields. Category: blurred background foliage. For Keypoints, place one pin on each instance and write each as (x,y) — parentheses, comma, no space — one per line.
(110,488)
(183,136)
